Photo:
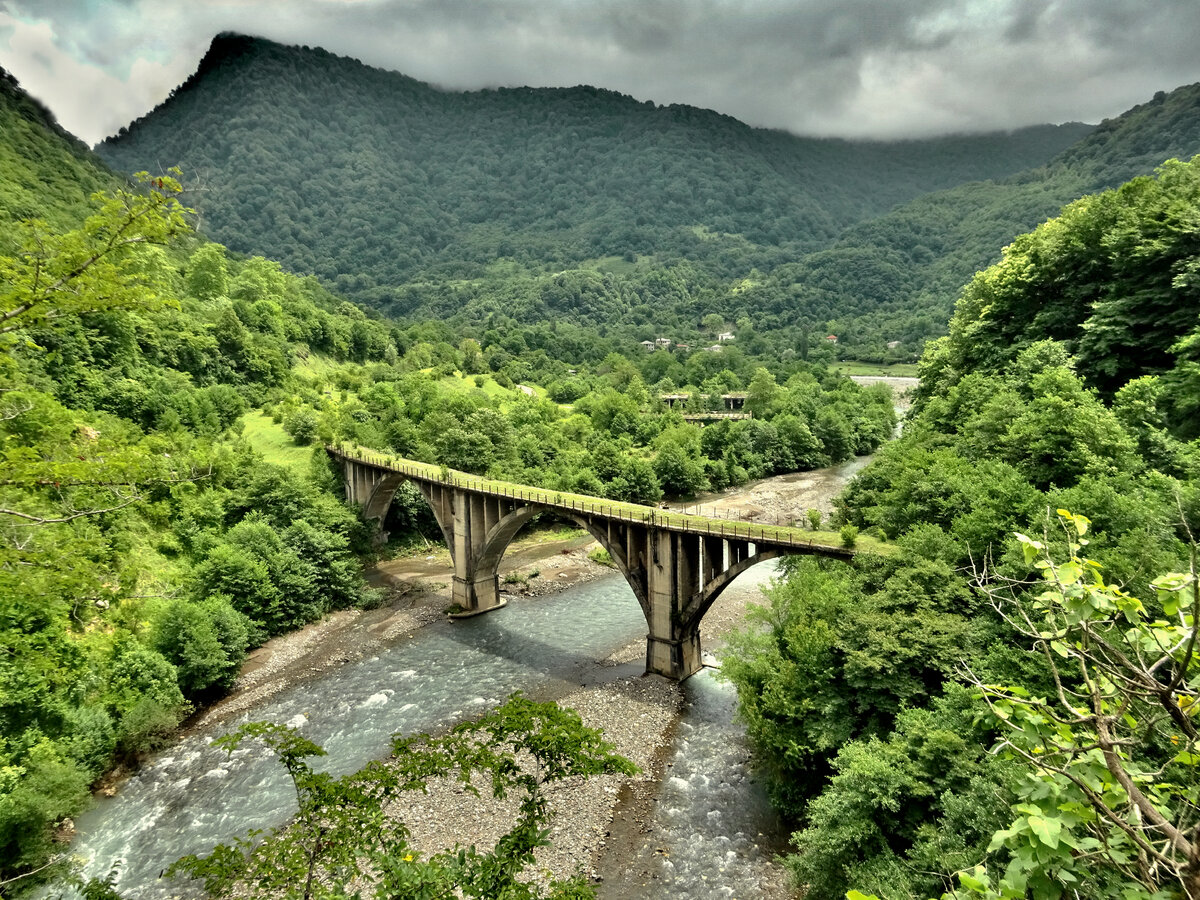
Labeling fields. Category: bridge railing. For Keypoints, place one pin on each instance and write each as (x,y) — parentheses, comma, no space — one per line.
(790,537)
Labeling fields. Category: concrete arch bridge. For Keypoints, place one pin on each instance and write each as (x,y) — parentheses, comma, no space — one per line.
(677,564)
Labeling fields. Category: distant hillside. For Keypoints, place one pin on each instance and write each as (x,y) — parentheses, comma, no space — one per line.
(44,170)
(371,179)
(903,270)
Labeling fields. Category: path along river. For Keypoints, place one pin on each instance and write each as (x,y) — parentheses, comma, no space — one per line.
(707,830)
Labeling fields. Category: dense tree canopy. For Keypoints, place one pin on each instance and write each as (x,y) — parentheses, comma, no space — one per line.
(1053,392)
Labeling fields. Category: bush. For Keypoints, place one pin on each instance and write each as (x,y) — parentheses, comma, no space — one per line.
(302,426)
(35,796)
(849,535)
(93,739)
(206,642)
(147,727)
(814,519)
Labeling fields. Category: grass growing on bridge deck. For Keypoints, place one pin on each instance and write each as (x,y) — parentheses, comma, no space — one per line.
(790,536)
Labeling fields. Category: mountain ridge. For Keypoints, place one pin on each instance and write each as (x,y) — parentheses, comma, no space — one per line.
(541,175)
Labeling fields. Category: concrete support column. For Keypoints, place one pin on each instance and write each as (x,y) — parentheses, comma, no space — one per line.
(687,565)
(475,592)
(671,650)
(713,563)
(492,514)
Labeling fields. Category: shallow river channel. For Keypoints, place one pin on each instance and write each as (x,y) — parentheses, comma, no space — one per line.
(710,829)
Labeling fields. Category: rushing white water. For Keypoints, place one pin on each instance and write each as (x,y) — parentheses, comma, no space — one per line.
(711,831)
(195,796)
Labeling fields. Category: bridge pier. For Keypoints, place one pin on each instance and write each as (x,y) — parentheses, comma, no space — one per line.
(673,579)
(475,596)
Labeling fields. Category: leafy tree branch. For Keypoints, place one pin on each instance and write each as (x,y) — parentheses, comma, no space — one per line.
(1110,802)
(343,835)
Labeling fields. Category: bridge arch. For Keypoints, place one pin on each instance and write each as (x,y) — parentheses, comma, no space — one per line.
(500,536)
(702,602)
(380,498)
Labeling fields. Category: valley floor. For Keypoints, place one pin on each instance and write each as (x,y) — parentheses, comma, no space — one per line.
(637,713)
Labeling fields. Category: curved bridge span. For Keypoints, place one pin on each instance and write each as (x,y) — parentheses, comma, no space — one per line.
(677,564)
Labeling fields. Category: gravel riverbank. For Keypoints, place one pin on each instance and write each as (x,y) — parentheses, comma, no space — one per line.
(637,713)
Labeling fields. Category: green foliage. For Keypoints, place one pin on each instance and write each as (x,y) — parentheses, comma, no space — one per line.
(1023,408)
(48,172)
(143,697)
(1110,754)
(302,426)
(849,535)
(1125,256)
(208,273)
(93,267)
(841,652)
(206,642)
(119,389)
(899,811)
(342,829)
(922,252)
(602,556)
(34,796)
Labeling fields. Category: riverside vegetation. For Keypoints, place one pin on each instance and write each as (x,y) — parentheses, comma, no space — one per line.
(1068,383)
(146,545)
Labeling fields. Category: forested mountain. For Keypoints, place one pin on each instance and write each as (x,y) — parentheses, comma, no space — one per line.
(371,179)
(910,263)
(44,171)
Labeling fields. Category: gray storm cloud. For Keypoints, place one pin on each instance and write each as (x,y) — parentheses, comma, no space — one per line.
(855,68)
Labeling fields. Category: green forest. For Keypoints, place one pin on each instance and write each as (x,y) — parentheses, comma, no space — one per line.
(638,193)
(1003,708)
(651,218)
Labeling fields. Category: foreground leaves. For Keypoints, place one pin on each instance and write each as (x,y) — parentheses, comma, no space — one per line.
(343,842)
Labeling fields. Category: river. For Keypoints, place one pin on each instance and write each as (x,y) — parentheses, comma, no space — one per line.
(710,831)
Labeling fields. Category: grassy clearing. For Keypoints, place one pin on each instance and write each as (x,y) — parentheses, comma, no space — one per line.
(618,265)
(275,445)
(461,382)
(317,366)
(895,370)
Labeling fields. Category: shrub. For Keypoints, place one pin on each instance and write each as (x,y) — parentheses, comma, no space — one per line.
(814,519)
(602,556)
(849,535)
(206,642)
(302,426)
(147,727)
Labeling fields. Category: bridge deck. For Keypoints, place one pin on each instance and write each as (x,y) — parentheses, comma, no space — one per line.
(796,540)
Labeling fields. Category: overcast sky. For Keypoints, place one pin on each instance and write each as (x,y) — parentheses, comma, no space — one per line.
(851,68)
